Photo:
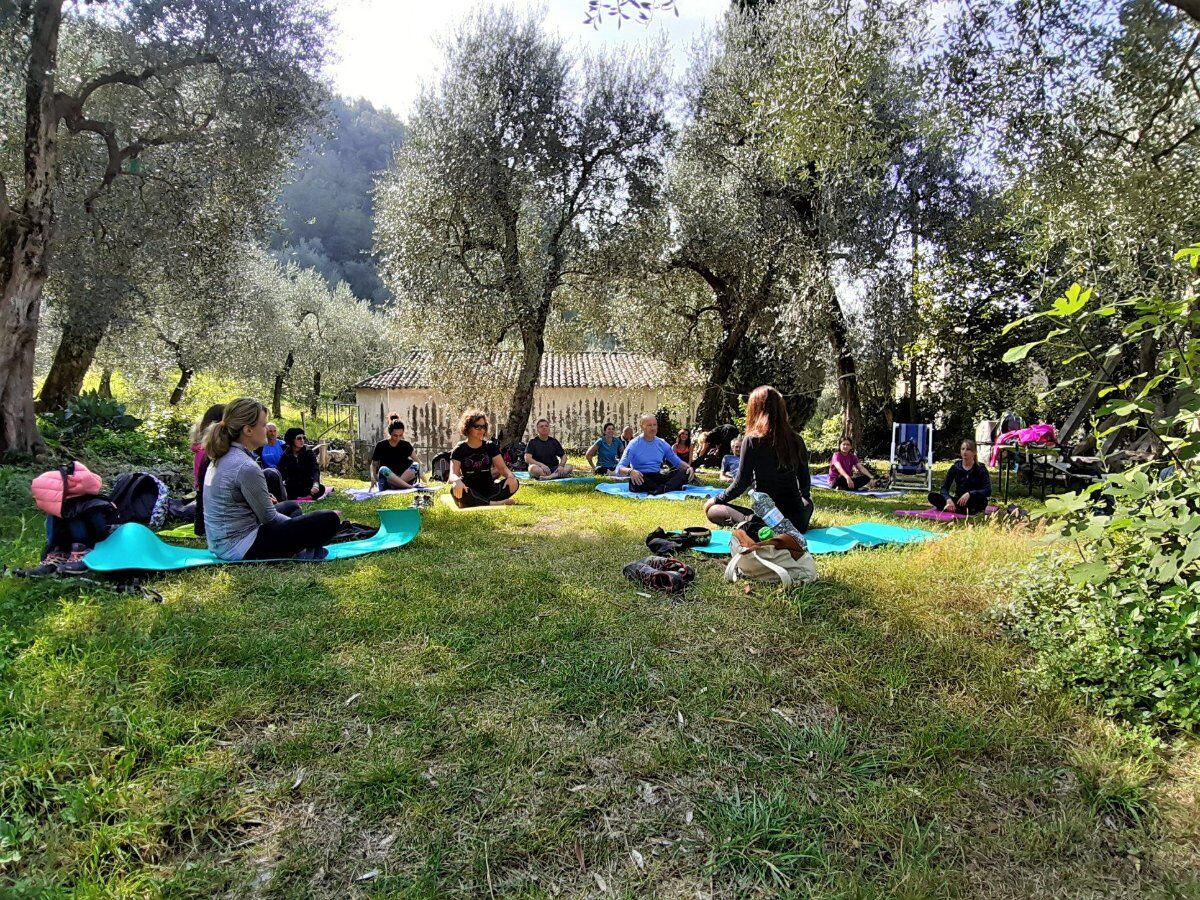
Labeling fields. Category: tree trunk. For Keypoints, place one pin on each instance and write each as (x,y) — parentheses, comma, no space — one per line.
(81,337)
(534,343)
(25,238)
(316,394)
(185,378)
(277,393)
(106,383)
(847,371)
(712,402)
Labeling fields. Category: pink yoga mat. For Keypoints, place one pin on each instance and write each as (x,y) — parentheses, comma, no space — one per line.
(939,516)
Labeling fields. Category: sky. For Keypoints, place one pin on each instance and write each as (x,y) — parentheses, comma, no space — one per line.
(386,48)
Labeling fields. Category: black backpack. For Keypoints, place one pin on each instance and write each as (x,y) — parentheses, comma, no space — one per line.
(439,467)
(907,454)
(141,498)
(514,456)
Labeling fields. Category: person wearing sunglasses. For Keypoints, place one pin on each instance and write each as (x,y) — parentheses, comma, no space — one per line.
(472,482)
(299,468)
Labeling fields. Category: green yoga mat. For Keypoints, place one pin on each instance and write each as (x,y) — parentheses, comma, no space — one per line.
(135,547)
(838,540)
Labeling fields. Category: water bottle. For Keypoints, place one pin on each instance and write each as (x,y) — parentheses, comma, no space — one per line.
(764,507)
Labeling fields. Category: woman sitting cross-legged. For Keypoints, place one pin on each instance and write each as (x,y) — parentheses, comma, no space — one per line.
(299,468)
(967,486)
(471,465)
(240,520)
(846,471)
(774,460)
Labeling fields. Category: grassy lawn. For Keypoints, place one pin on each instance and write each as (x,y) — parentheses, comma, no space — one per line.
(494,711)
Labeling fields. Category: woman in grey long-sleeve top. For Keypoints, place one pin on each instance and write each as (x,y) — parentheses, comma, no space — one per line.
(240,519)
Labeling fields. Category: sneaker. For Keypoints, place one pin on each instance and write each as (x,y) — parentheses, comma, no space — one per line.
(666,564)
(74,562)
(313,553)
(49,565)
(655,579)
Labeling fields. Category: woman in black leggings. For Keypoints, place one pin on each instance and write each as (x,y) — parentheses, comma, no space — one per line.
(774,461)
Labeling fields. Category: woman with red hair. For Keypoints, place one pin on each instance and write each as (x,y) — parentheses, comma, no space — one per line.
(774,461)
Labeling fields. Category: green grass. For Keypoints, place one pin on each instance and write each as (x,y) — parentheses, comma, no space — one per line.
(493,711)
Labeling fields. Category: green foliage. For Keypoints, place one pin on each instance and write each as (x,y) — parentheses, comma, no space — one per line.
(1121,623)
(135,447)
(87,414)
(822,437)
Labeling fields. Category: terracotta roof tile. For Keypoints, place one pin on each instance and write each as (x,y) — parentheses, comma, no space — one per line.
(589,369)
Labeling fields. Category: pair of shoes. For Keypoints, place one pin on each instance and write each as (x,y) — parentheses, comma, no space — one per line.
(665,543)
(660,573)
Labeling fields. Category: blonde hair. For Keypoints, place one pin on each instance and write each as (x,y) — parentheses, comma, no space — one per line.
(212,414)
(238,414)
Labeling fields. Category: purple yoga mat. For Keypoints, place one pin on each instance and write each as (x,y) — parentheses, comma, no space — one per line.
(939,516)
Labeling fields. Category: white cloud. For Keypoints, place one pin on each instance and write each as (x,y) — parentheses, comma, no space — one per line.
(388,47)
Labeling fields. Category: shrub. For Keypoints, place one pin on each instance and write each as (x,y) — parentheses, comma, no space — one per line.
(823,437)
(133,447)
(86,414)
(1118,617)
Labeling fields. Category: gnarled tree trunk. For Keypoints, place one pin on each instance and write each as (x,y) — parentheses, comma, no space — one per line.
(106,383)
(280,378)
(25,236)
(185,378)
(712,402)
(838,330)
(533,343)
(76,351)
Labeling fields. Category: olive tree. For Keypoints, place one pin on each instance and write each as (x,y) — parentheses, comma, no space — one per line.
(185,66)
(519,160)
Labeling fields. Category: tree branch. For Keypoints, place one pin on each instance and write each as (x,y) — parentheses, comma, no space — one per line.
(1190,7)
(123,76)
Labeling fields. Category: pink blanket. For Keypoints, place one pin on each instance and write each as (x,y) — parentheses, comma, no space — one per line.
(941,516)
(1043,435)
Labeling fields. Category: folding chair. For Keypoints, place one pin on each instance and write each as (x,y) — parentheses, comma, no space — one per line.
(912,456)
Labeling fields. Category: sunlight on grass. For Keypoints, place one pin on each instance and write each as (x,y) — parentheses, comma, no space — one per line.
(495,705)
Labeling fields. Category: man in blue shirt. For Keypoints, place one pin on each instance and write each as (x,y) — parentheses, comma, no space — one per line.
(643,459)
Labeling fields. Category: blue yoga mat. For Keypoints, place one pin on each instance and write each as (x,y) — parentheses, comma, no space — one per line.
(136,547)
(689,492)
(838,540)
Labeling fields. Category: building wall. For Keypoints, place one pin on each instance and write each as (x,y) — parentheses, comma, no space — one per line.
(576,414)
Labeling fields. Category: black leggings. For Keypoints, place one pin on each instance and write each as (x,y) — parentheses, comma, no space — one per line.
(730,515)
(944,503)
(282,540)
(473,497)
(658,483)
(856,483)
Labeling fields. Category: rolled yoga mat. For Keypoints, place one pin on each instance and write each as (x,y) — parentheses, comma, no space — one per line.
(689,492)
(838,539)
(134,547)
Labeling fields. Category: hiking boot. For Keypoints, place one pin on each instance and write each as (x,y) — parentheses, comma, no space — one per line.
(73,565)
(49,565)
(666,564)
(655,579)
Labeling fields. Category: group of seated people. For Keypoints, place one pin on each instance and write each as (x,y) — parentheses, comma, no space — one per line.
(248,482)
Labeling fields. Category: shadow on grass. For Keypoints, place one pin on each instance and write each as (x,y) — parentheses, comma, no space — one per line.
(493,708)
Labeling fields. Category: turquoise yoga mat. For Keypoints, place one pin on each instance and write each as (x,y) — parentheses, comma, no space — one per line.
(839,540)
(689,492)
(135,547)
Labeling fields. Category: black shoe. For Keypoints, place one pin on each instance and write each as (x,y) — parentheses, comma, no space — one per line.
(669,582)
(74,562)
(313,553)
(666,564)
